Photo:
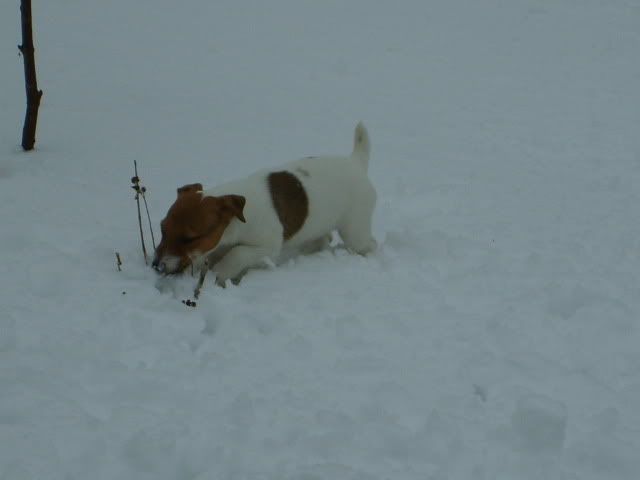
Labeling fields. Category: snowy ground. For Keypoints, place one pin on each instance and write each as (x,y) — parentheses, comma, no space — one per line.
(495,333)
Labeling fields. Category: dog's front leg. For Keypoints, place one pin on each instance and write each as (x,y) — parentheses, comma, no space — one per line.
(239,259)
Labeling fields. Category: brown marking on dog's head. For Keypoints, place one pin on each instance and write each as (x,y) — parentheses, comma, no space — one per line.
(194,226)
(192,187)
(289,200)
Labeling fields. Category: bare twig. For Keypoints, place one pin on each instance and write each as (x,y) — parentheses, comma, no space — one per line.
(141,190)
(31,83)
(136,186)
(203,273)
(196,291)
(146,207)
(118,261)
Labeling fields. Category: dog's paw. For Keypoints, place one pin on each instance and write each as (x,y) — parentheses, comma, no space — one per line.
(365,249)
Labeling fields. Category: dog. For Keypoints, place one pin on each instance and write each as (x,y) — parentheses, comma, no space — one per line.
(294,208)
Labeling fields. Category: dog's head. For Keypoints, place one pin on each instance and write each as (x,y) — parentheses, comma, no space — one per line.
(194,226)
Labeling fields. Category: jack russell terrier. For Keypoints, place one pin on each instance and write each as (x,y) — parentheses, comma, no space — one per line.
(294,208)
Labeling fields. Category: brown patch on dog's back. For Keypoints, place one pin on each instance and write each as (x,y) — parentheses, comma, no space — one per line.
(290,201)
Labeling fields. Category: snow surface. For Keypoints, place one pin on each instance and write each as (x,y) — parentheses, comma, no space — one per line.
(495,333)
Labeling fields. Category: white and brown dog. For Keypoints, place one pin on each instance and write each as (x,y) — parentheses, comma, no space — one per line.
(294,208)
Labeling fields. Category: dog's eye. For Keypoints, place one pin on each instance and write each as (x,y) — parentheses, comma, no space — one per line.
(185,240)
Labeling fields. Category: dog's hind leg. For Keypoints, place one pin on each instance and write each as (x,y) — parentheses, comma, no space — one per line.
(355,226)
(358,238)
(316,245)
(356,233)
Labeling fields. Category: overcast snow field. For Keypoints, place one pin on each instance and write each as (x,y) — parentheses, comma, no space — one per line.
(494,334)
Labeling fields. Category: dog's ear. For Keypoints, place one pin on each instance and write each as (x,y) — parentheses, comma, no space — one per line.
(234,204)
(192,187)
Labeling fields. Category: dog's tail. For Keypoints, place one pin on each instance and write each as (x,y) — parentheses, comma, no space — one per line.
(361,145)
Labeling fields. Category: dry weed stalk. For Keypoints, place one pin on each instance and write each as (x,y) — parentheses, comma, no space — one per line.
(203,273)
(140,192)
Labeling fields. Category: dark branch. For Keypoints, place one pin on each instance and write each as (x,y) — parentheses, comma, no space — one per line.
(31,83)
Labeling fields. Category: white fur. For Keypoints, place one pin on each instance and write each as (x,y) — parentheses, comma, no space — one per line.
(341,197)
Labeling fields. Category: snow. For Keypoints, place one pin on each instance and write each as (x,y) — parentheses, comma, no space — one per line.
(539,423)
(493,335)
